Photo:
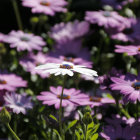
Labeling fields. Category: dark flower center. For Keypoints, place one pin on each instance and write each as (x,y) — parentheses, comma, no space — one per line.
(66,66)
(64,96)
(107,14)
(139,49)
(24,39)
(3,82)
(44,3)
(136,85)
(19,104)
(128,31)
(95,99)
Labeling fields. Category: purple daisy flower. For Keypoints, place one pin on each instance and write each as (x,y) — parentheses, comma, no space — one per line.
(30,61)
(24,41)
(120,131)
(70,97)
(130,49)
(2,36)
(131,34)
(48,7)
(18,102)
(10,82)
(108,19)
(71,52)
(129,86)
(117,4)
(64,32)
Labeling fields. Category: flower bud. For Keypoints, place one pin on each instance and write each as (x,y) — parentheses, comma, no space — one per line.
(5,117)
(87,118)
(87,109)
(34,20)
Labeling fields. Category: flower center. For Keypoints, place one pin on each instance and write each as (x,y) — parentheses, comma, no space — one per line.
(128,31)
(107,14)
(95,99)
(19,104)
(139,49)
(136,85)
(24,39)
(44,3)
(3,82)
(66,66)
(64,96)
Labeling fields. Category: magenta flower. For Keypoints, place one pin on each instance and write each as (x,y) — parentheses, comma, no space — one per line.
(117,4)
(71,51)
(130,49)
(131,34)
(70,97)
(24,41)
(11,82)
(30,61)
(129,86)
(64,32)
(48,7)
(108,19)
(18,102)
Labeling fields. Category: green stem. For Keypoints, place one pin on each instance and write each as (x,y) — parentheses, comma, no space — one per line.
(137,109)
(16,10)
(124,112)
(14,134)
(86,133)
(60,111)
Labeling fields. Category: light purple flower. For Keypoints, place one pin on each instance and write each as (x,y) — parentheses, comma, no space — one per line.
(71,51)
(11,82)
(117,4)
(120,130)
(130,49)
(48,7)
(64,32)
(129,86)
(2,36)
(108,19)
(131,34)
(30,61)
(18,102)
(70,97)
(24,41)
(89,78)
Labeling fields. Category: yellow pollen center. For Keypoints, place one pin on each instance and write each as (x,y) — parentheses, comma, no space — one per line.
(66,66)
(3,82)
(64,96)
(45,3)
(95,99)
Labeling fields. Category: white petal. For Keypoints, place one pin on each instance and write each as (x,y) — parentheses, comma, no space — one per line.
(47,66)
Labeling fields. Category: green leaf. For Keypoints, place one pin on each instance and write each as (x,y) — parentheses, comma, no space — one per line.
(77,134)
(53,117)
(71,124)
(94,137)
(57,134)
(96,127)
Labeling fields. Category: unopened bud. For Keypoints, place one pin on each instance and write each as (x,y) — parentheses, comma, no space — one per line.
(34,20)
(87,118)
(87,109)
(5,117)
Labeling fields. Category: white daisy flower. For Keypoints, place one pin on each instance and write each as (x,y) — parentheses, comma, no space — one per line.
(65,68)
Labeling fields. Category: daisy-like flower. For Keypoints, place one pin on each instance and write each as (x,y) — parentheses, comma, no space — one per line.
(129,86)
(71,51)
(24,41)
(117,4)
(108,19)
(18,102)
(30,61)
(65,68)
(130,49)
(48,7)
(2,36)
(70,97)
(64,32)
(11,82)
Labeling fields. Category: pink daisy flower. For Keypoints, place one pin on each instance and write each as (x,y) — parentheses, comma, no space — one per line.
(48,7)
(24,41)
(70,97)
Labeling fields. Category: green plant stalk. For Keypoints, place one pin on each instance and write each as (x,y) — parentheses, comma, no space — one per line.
(14,134)
(85,132)
(16,10)
(124,112)
(60,111)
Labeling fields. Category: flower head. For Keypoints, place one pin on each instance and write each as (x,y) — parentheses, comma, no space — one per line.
(129,86)
(24,41)
(64,32)
(48,7)
(108,19)
(65,68)
(2,36)
(70,97)
(18,102)
(10,82)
